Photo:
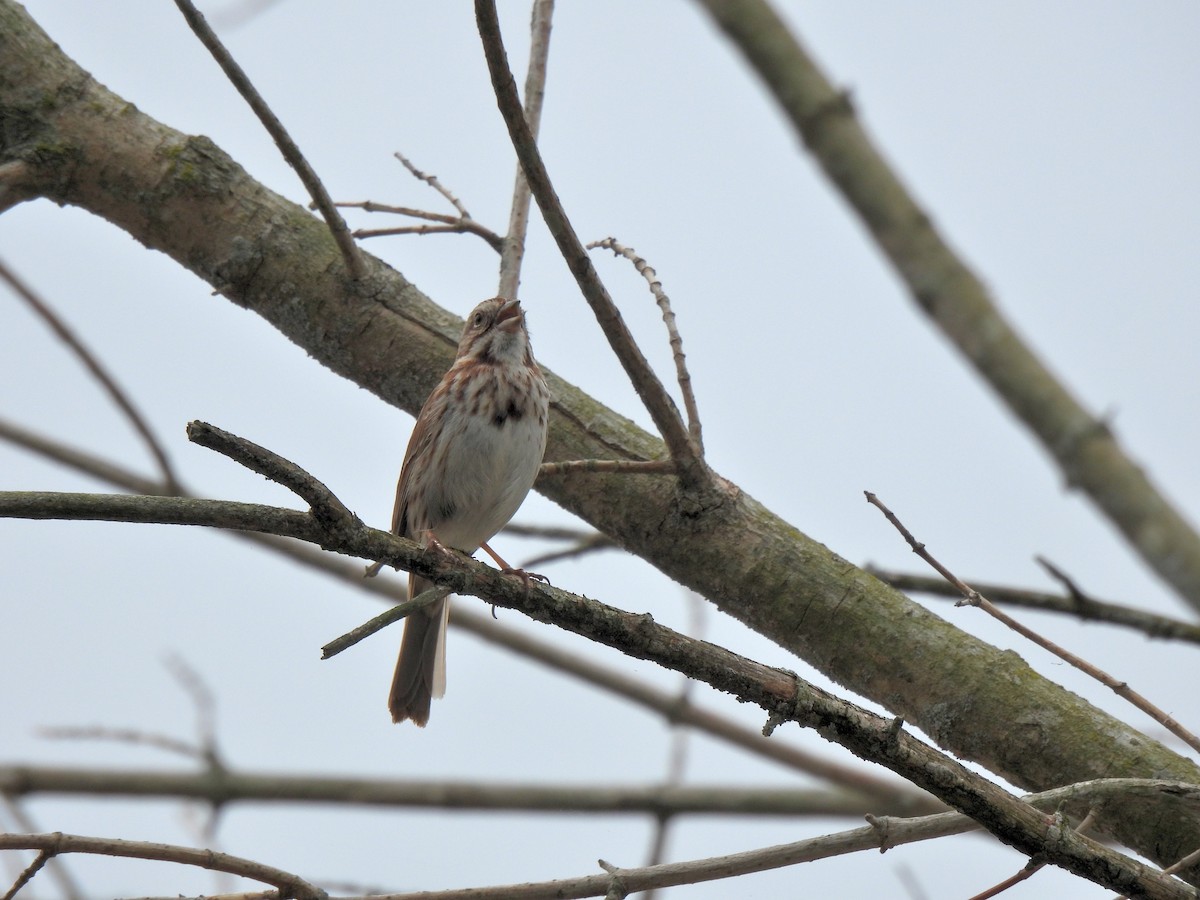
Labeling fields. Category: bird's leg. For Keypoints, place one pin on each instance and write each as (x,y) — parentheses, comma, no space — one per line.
(526,577)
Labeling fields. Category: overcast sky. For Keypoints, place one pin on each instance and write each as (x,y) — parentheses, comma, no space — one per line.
(1055,146)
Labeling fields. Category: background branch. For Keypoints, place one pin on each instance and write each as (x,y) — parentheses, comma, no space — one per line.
(947,290)
(351,255)
(1081,606)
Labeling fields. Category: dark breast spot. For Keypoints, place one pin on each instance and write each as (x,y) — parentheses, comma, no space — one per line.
(513,412)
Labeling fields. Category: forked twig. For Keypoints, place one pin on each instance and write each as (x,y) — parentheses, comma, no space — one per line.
(432,180)
(692,471)
(92,363)
(664,303)
(972,597)
(351,255)
(463,223)
(447,224)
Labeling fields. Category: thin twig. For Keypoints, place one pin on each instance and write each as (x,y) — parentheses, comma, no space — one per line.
(682,374)
(381,621)
(68,888)
(449,224)
(92,363)
(1027,872)
(432,180)
(692,471)
(56,843)
(535,92)
(26,876)
(133,736)
(580,548)
(460,226)
(1082,606)
(205,704)
(972,597)
(351,254)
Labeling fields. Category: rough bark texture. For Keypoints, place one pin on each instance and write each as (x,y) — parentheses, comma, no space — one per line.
(73,141)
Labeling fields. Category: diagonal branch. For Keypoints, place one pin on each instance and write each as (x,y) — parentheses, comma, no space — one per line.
(944,287)
(693,473)
(351,255)
(92,363)
(972,597)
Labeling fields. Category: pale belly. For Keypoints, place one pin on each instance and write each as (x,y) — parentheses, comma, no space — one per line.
(490,469)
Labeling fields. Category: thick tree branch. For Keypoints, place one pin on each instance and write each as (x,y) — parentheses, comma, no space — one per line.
(84,146)
(1084,447)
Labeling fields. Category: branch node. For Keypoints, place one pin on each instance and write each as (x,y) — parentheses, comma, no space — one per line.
(883,827)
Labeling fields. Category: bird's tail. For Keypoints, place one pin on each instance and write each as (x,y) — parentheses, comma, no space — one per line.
(421,667)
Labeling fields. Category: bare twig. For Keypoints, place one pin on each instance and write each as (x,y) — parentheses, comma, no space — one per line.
(1081,605)
(351,255)
(972,597)
(448,224)
(134,736)
(579,548)
(27,875)
(432,180)
(204,703)
(945,288)
(664,303)
(92,363)
(381,621)
(1027,872)
(288,884)
(535,92)
(68,888)
(692,471)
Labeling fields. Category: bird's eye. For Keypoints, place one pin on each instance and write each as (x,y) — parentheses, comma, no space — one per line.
(477,319)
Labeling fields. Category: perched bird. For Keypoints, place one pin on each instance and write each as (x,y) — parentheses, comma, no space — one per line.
(473,456)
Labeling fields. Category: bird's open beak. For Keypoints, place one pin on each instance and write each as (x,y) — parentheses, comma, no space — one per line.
(510,312)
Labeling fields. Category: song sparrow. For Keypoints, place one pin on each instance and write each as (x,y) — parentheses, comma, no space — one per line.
(473,456)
